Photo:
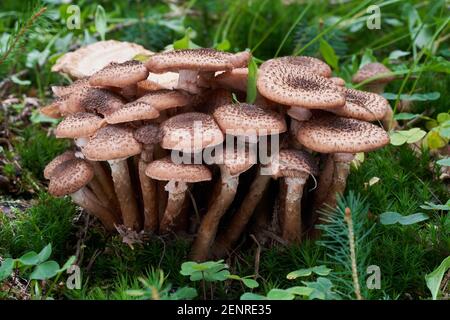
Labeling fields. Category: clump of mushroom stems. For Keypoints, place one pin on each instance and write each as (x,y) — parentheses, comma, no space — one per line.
(148,190)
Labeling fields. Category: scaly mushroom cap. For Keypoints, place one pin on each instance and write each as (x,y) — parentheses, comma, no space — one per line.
(327,133)
(363,105)
(371,70)
(236,160)
(148,134)
(165,170)
(87,60)
(338,81)
(78,125)
(203,59)
(235,79)
(120,74)
(60,91)
(63,157)
(293,163)
(292,85)
(69,177)
(158,81)
(94,100)
(312,64)
(133,111)
(240,118)
(112,142)
(166,99)
(190,132)
(51,110)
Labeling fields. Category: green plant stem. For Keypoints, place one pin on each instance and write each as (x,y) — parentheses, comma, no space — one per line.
(351,238)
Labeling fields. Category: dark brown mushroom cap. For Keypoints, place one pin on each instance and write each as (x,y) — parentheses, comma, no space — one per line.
(237,119)
(94,100)
(78,125)
(69,177)
(166,99)
(328,133)
(235,79)
(166,170)
(63,157)
(111,143)
(236,160)
(363,105)
(120,74)
(148,134)
(371,70)
(292,85)
(133,111)
(60,91)
(293,164)
(190,132)
(312,64)
(203,59)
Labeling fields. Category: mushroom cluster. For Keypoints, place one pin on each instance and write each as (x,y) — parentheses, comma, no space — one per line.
(189,158)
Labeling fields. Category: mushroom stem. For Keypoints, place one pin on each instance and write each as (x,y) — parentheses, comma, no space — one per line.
(324,183)
(86,199)
(339,182)
(177,194)
(124,192)
(148,189)
(299,113)
(240,219)
(210,222)
(291,224)
(107,186)
(187,80)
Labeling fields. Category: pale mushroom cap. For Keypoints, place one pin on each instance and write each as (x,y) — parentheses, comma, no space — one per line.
(292,85)
(371,70)
(315,65)
(87,60)
(363,105)
(133,111)
(159,81)
(203,59)
(63,157)
(112,142)
(235,79)
(165,170)
(239,118)
(293,163)
(148,134)
(51,110)
(78,125)
(60,91)
(120,74)
(190,132)
(236,160)
(69,177)
(166,99)
(327,133)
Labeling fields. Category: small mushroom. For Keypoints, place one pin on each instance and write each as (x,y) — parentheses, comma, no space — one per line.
(178,176)
(166,99)
(79,126)
(133,111)
(314,65)
(119,75)
(148,135)
(70,178)
(115,143)
(231,164)
(235,79)
(190,62)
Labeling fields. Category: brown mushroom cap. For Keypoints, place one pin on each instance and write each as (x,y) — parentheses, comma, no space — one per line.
(181,131)
(51,110)
(87,60)
(77,125)
(371,70)
(235,79)
(94,100)
(69,177)
(363,105)
(292,85)
(236,119)
(338,81)
(63,157)
(328,133)
(60,91)
(203,59)
(133,111)
(312,64)
(293,163)
(148,134)
(120,74)
(236,160)
(166,99)
(165,170)
(110,143)
(158,81)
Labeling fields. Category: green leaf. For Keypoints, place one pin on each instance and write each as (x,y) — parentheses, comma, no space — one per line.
(45,271)
(434,140)
(209,271)
(185,42)
(135,293)
(280,294)
(225,45)
(406,116)
(250,283)
(434,278)
(30,258)
(444,162)
(100,21)
(300,291)
(37,117)
(68,264)
(6,268)
(251,81)
(327,52)
(185,293)
(433,206)
(394,55)
(45,253)
(322,289)
(430,96)
(443,117)
(321,270)
(16,80)
(367,57)
(406,136)
(252,296)
(388,218)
